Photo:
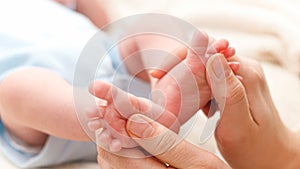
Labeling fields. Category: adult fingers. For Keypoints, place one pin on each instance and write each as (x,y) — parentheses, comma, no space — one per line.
(231,98)
(165,145)
(107,160)
(256,87)
(103,164)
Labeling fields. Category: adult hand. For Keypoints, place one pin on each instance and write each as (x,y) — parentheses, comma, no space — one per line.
(250,133)
(164,144)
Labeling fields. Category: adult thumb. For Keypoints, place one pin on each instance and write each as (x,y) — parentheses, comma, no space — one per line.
(230,96)
(167,146)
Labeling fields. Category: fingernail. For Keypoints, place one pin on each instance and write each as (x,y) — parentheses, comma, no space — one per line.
(140,126)
(234,65)
(220,66)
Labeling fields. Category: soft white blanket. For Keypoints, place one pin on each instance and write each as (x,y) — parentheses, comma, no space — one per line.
(263,29)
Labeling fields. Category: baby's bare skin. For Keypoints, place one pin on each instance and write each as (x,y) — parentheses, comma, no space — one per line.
(184,89)
(119,106)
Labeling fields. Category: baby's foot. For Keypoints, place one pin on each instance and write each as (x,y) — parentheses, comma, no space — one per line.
(115,108)
(184,89)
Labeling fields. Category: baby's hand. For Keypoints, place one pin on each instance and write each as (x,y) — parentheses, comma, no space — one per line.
(182,85)
(115,108)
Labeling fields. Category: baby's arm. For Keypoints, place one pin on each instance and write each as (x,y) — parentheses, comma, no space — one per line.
(35,103)
(135,59)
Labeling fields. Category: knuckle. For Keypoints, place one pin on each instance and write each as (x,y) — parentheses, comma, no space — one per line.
(235,93)
(129,163)
(207,162)
(256,74)
(166,142)
(227,139)
(102,155)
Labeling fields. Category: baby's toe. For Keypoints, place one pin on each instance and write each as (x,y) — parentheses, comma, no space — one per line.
(95,124)
(103,91)
(229,52)
(104,138)
(115,145)
(91,113)
(218,46)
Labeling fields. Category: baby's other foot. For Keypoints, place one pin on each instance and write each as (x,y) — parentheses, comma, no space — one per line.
(184,89)
(119,106)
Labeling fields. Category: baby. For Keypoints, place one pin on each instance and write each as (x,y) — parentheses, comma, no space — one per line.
(181,83)
(39,125)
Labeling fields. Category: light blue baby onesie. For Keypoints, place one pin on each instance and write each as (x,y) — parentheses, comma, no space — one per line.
(41,33)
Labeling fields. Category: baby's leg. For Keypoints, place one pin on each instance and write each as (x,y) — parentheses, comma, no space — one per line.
(202,45)
(119,107)
(35,103)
